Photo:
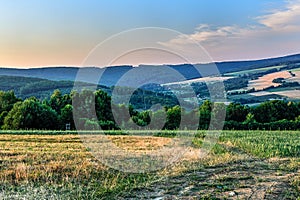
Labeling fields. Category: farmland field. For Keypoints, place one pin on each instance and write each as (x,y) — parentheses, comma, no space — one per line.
(238,73)
(266,80)
(290,94)
(296,78)
(201,80)
(242,165)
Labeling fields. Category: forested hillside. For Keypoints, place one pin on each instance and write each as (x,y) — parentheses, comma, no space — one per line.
(25,87)
(58,110)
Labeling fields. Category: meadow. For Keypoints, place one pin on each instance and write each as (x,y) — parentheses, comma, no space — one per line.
(242,165)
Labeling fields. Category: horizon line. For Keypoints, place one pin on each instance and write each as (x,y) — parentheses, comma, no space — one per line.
(141,64)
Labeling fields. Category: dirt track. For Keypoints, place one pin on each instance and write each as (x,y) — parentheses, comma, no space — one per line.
(248,178)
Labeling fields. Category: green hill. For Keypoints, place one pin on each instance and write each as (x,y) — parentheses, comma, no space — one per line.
(25,87)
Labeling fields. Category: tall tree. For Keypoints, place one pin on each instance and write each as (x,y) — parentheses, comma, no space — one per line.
(272,111)
(103,106)
(205,115)
(66,116)
(236,112)
(31,114)
(56,101)
(173,118)
(7,100)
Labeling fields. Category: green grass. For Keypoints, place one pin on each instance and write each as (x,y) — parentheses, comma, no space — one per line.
(265,144)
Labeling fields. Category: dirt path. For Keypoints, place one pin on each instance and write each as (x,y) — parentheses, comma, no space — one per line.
(244,179)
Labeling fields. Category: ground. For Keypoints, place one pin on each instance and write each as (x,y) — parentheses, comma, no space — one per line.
(245,178)
(242,165)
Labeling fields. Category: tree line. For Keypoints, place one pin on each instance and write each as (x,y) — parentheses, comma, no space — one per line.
(94,110)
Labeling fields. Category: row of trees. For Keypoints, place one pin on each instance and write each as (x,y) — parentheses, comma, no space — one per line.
(93,110)
(270,115)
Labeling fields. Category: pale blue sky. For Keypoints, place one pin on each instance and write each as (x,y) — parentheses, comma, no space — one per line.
(63,32)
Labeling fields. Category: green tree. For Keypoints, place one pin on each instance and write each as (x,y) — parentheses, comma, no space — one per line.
(158,120)
(250,118)
(145,117)
(66,116)
(56,100)
(236,112)
(205,115)
(173,118)
(7,100)
(2,117)
(103,106)
(272,111)
(84,104)
(218,115)
(120,116)
(91,124)
(31,114)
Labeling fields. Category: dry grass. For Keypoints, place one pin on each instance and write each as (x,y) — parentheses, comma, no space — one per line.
(266,80)
(44,158)
(296,78)
(140,143)
(62,167)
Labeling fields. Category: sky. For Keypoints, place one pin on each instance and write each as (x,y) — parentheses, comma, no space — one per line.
(36,33)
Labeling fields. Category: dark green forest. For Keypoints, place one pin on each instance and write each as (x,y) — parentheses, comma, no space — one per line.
(57,111)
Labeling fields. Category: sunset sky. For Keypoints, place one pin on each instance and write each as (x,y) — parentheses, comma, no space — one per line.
(63,32)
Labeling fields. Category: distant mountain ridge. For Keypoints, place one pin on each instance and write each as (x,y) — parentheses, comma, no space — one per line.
(111,75)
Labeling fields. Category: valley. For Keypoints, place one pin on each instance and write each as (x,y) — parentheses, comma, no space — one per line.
(247,82)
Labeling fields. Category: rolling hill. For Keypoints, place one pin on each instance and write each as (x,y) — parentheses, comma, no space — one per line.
(111,75)
(25,87)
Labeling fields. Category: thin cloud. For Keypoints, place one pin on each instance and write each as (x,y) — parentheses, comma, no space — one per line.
(209,34)
(271,29)
(283,20)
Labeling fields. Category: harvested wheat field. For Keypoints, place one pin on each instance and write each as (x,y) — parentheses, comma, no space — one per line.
(242,165)
(266,80)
